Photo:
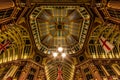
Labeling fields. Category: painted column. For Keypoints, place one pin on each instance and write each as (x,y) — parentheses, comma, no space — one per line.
(82,67)
(95,72)
(25,72)
(36,73)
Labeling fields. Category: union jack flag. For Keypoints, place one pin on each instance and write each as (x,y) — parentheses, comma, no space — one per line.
(4,45)
(59,77)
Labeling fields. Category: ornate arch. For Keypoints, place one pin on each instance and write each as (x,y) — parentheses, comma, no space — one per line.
(20,46)
(111,33)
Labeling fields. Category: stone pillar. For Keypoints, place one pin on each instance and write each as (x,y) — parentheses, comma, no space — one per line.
(95,72)
(25,72)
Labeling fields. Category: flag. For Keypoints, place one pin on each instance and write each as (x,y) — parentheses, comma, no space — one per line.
(59,77)
(4,45)
(107,46)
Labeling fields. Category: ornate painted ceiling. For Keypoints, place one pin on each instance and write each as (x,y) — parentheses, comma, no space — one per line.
(39,27)
(54,26)
(59,26)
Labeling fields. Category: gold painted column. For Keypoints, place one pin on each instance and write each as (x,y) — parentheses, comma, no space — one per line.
(25,72)
(95,72)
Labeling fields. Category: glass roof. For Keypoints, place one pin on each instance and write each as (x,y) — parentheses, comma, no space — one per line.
(54,26)
(110,32)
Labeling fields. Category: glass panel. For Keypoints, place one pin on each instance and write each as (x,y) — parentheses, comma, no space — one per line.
(100,70)
(109,69)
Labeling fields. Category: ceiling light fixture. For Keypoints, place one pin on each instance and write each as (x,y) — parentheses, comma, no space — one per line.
(60,49)
(63,55)
(55,54)
(59,53)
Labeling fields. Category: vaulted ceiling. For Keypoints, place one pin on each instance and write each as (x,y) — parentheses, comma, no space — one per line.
(54,26)
(39,27)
